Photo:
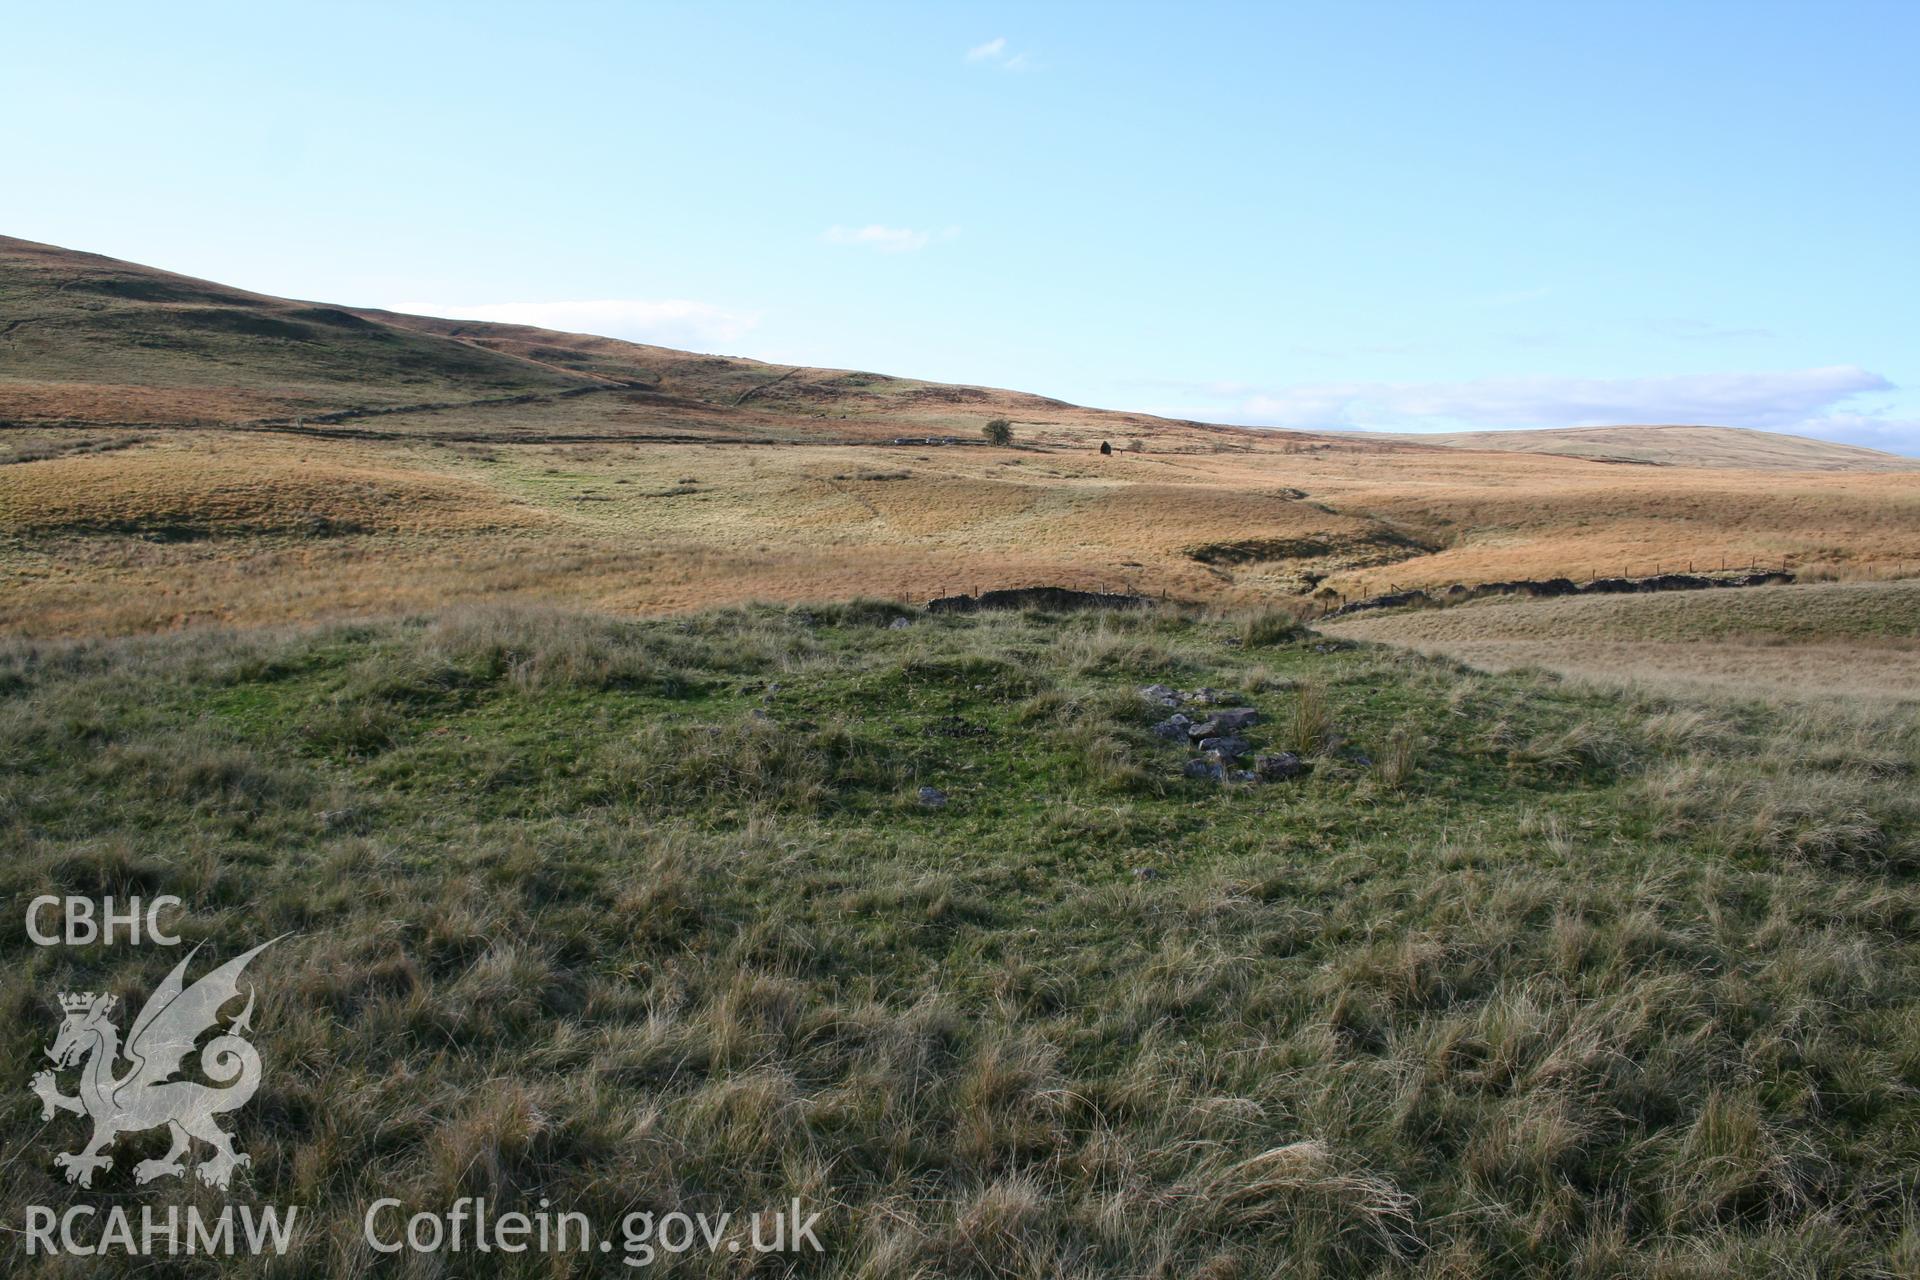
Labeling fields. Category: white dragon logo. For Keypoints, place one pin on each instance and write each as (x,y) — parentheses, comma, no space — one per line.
(144,1097)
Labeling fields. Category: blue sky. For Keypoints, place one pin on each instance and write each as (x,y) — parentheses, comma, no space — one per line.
(1408,216)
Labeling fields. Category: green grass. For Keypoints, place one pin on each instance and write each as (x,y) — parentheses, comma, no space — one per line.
(1520,980)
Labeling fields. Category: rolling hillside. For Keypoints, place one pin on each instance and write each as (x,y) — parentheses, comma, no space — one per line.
(1681,446)
(175,452)
(1857,640)
(90,340)
(87,339)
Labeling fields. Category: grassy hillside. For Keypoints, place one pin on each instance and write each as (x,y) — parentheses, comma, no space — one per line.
(116,531)
(93,340)
(1681,446)
(1858,639)
(1518,980)
(176,451)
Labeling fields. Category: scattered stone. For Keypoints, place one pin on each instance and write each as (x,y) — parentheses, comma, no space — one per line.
(899,624)
(1226,748)
(932,797)
(1173,728)
(1278,766)
(1161,696)
(1224,724)
(1241,775)
(1206,769)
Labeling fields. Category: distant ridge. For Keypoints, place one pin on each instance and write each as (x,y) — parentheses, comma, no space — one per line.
(87,340)
(92,340)
(1677,446)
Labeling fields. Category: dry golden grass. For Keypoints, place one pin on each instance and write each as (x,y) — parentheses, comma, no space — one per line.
(1683,446)
(201,487)
(104,402)
(1835,640)
(284,527)
(643,479)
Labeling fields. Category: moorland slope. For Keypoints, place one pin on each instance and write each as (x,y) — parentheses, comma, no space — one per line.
(174,451)
(1517,980)
(1739,448)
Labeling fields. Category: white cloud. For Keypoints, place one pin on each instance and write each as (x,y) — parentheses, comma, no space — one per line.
(996,53)
(886,239)
(1802,401)
(667,322)
(1872,431)
(1763,400)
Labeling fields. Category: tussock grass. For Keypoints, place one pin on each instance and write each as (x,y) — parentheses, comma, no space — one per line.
(647,915)
(1270,626)
(1309,726)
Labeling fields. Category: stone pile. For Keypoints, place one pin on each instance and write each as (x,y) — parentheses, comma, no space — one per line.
(1215,733)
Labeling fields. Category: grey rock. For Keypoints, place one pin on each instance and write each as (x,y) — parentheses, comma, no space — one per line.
(1161,696)
(1278,766)
(932,797)
(1227,748)
(1235,719)
(1241,775)
(1173,728)
(1206,769)
(899,624)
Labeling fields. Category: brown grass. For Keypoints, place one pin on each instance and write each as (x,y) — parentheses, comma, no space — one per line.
(653,527)
(198,488)
(1680,446)
(1804,641)
(641,479)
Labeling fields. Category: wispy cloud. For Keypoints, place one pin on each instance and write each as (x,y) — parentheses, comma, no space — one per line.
(1801,400)
(668,322)
(996,52)
(1706,331)
(1509,298)
(886,239)
(1873,431)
